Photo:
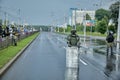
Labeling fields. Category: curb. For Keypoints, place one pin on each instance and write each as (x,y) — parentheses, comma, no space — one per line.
(9,64)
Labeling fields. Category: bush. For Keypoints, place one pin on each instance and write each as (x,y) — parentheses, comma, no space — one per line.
(102,26)
(112,28)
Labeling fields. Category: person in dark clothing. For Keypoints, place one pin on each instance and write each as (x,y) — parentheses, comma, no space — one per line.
(73,39)
(7,31)
(4,33)
(14,36)
(110,42)
(1,31)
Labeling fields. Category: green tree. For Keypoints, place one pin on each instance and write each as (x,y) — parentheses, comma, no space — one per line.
(88,17)
(78,27)
(114,10)
(102,26)
(88,28)
(61,29)
(111,28)
(106,19)
(68,28)
(0,21)
(101,13)
(4,25)
(56,29)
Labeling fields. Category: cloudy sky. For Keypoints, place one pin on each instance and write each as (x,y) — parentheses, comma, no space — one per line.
(46,12)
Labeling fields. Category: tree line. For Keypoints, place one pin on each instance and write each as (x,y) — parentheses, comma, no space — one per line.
(103,18)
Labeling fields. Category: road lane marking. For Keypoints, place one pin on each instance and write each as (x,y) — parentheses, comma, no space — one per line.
(96,68)
(83,62)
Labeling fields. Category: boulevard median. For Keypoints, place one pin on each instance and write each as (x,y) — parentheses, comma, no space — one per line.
(7,54)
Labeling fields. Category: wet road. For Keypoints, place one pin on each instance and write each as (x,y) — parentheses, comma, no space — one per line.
(45,60)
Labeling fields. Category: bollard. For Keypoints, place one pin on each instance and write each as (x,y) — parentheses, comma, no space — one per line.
(72,63)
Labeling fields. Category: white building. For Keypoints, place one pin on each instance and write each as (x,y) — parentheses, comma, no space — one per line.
(80,16)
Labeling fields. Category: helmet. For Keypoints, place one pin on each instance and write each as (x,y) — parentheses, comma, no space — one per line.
(110,32)
(73,31)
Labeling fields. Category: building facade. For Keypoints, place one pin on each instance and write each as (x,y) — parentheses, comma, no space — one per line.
(78,16)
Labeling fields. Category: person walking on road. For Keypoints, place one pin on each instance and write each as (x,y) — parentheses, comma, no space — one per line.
(110,42)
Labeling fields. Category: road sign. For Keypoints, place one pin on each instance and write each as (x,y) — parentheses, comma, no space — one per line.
(90,22)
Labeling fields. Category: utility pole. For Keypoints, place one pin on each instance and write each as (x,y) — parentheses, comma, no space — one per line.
(5,18)
(52,25)
(118,30)
(19,18)
(84,26)
(118,39)
(75,18)
(0,9)
(71,17)
(64,23)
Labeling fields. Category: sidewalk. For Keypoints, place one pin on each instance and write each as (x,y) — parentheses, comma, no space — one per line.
(93,37)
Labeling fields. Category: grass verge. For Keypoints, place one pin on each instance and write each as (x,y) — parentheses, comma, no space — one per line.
(87,33)
(8,53)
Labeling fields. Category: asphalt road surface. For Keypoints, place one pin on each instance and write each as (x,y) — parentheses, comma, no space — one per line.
(45,59)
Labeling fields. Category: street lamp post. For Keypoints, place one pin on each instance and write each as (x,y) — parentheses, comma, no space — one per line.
(84,26)
(118,39)
(19,17)
(75,19)
(71,16)
(64,23)
(5,18)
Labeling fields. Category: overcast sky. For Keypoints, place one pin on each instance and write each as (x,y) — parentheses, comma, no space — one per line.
(47,12)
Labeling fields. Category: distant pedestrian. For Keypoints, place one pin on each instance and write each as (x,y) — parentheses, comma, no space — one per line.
(110,42)
(1,30)
(14,36)
(73,39)
(14,39)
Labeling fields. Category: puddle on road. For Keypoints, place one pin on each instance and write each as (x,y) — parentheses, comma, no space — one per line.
(112,67)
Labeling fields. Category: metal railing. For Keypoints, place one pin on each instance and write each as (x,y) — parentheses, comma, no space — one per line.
(8,41)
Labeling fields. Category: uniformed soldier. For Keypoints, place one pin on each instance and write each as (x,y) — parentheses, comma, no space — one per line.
(73,39)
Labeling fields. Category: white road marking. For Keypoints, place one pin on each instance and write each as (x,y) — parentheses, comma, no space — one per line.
(83,62)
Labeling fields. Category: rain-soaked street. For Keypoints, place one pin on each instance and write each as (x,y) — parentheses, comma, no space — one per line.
(45,59)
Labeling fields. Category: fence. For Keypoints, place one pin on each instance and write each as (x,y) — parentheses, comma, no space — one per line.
(8,41)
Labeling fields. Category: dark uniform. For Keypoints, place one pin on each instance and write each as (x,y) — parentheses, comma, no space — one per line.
(110,42)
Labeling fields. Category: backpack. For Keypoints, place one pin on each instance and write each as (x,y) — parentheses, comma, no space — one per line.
(73,40)
(110,38)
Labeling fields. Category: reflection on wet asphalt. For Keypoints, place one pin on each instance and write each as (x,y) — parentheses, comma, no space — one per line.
(72,74)
(110,65)
(72,63)
(45,59)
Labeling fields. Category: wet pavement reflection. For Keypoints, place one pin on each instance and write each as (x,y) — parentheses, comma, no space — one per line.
(72,74)
(72,64)
(96,52)
(110,65)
